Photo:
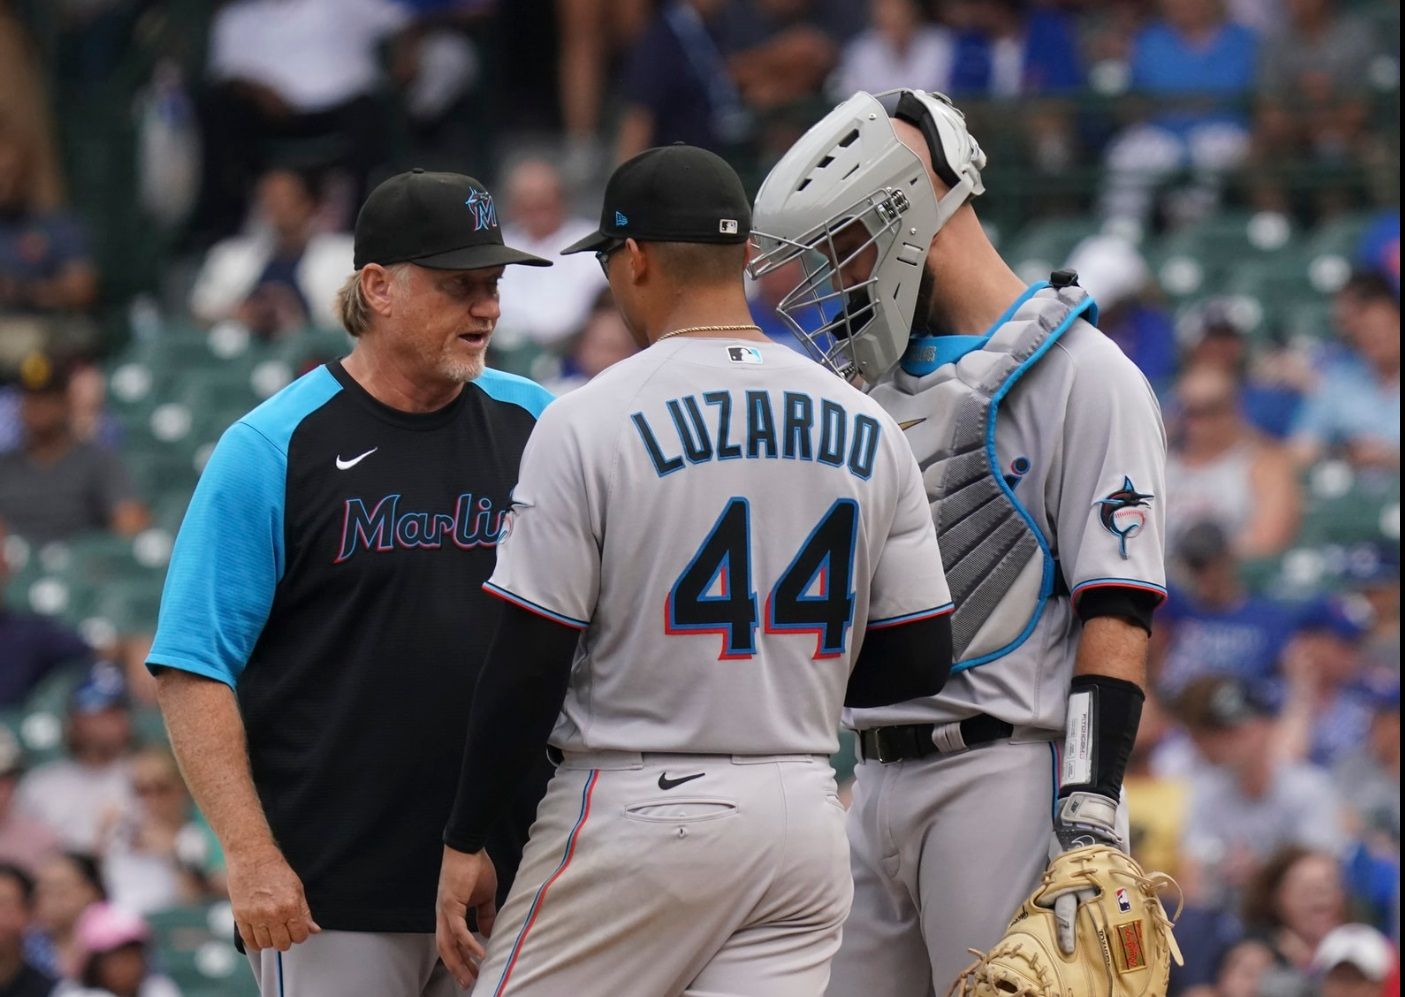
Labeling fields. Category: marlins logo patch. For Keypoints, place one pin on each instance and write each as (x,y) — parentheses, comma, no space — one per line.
(1121,513)
(485,213)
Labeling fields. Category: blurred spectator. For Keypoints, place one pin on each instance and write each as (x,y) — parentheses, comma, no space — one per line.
(1241,971)
(1156,802)
(1220,471)
(31,647)
(114,957)
(702,67)
(90,417)
(1249,801)
(603,340)
(1373,577)
(24,841)
(1212,625)
(781,51)
(156,854)
(1112,270)
(25,105)
(1271,379)
(676,86)
(1312,92)
(54,486)
(1354,960)
(75,795)
(1369,777)
(291,71)
(1294,902)
(45,267)
(1011,48)
(1200,66)
(1354,408)
(1379,250)
(900,48)
(282,276)
(1327,710)
(548,304)
(67,885)
(17,977)
(591,32)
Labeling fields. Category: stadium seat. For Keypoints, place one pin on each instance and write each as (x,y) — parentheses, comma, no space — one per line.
(195,948)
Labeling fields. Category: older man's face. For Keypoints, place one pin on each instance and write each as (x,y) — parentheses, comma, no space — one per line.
(444,319)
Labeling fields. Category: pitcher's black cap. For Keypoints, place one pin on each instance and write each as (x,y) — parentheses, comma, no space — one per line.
(445,221)
(674,193)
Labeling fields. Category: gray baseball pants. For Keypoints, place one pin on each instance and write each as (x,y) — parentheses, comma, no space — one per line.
(943,850)
(660,875)
(355,964)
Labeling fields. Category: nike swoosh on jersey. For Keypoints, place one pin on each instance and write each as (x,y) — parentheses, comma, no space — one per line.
(666,783)
(905,426)
(342,465)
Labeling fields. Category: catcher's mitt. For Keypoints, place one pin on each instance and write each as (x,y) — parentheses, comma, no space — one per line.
(1124,943)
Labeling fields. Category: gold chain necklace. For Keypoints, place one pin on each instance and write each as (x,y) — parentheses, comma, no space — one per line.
(707,328)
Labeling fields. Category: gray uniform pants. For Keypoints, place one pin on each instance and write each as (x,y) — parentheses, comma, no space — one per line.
(658,875)
(943,850)
(355,964)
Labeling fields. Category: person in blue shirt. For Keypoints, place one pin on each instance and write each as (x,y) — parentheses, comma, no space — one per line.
(1210,625)
(1200,67)
(1354,408)
(1379,249)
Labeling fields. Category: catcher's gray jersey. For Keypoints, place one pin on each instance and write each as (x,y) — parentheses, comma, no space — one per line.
(723,521)
(1080,441)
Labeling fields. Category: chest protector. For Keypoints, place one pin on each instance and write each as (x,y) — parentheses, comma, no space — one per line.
(999,564)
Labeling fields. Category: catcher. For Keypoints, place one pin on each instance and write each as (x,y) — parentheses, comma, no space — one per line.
(1043,457)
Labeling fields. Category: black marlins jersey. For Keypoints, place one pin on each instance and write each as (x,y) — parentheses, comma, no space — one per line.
(330,569)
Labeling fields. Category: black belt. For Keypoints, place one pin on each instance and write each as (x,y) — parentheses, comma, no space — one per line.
(908,741)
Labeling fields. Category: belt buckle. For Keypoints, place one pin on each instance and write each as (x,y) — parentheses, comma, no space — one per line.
(893,754)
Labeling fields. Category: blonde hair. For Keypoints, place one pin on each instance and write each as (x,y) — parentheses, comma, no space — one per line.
(352,307)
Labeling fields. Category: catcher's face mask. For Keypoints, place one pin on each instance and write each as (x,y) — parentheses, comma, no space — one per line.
(854,207)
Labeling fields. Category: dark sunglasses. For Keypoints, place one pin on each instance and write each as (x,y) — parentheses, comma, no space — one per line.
(602,256)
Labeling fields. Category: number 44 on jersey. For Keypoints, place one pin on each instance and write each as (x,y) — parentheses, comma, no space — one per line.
(722,565)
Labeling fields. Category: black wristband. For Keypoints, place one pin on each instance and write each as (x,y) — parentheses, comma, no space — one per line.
(1133,605)
(1103,714)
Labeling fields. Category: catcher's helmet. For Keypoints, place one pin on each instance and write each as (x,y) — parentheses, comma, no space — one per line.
(854,205)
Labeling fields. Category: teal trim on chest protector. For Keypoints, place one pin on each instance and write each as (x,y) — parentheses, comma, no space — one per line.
(926,353)
(1046,587)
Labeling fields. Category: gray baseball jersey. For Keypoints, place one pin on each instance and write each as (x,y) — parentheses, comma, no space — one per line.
(723,521)
(1081,443)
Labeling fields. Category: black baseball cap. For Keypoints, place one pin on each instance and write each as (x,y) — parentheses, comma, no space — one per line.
(444,221)
(674,193)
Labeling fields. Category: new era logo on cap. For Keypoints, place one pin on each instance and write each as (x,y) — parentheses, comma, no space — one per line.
(620,219)
(727,226)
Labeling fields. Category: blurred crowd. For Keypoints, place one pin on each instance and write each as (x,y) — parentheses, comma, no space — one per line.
(1266,774)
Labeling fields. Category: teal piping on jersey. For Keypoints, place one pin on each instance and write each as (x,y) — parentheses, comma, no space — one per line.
(949,349)
(925,614)
(534,608)
(1123,583)
(514,390)
(1046,586)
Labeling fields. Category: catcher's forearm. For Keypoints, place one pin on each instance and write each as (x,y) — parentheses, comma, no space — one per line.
(1104,711)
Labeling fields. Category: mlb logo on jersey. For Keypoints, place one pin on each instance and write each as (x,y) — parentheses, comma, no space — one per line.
(1123,904)
(744,354)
